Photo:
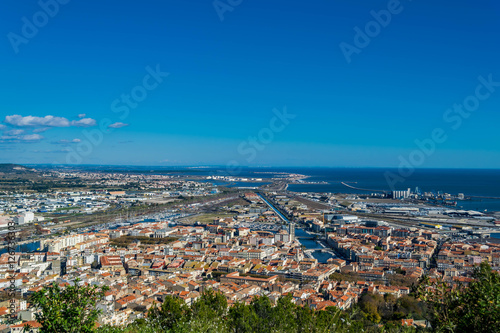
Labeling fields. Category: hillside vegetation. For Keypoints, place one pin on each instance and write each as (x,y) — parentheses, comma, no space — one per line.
(471,309)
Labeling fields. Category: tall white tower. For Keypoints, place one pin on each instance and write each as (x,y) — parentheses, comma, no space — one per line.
(291,231)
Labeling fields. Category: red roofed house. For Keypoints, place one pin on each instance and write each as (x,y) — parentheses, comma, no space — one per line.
(19,328)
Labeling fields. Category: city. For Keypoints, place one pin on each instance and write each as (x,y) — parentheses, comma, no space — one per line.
(164,235)
(232,166)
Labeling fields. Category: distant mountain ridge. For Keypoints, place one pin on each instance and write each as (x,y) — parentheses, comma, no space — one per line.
(14,168)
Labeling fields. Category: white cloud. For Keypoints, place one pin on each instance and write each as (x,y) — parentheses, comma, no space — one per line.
(14,132)
(117,125)
(32,137)
(31,121)
(84,122)
(81,115)
(47,121)
(2,127)
(21,138)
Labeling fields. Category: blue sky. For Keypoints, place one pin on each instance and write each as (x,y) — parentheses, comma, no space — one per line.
(62,85)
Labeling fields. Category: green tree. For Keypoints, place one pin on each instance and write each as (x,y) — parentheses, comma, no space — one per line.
(210,304)
(331,320)
(285,315)
(305,319)
(172,313)
(369,304)
(480,303)
(471,309)
(263,309)
(72,309)
(241,318)
(140,325)
(208,314)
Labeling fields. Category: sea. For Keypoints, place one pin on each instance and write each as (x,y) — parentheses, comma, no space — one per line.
(475,183)
(482,185)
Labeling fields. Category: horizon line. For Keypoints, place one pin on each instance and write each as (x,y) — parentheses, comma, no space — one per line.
(253,166)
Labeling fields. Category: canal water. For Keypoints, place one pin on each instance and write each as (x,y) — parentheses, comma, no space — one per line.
(312,244)
(29,247)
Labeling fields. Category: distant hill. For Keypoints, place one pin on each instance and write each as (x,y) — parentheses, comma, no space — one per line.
(14,168)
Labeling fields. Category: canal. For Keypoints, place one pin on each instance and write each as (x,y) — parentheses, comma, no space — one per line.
(283,217)
(312,244)
(28,247)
